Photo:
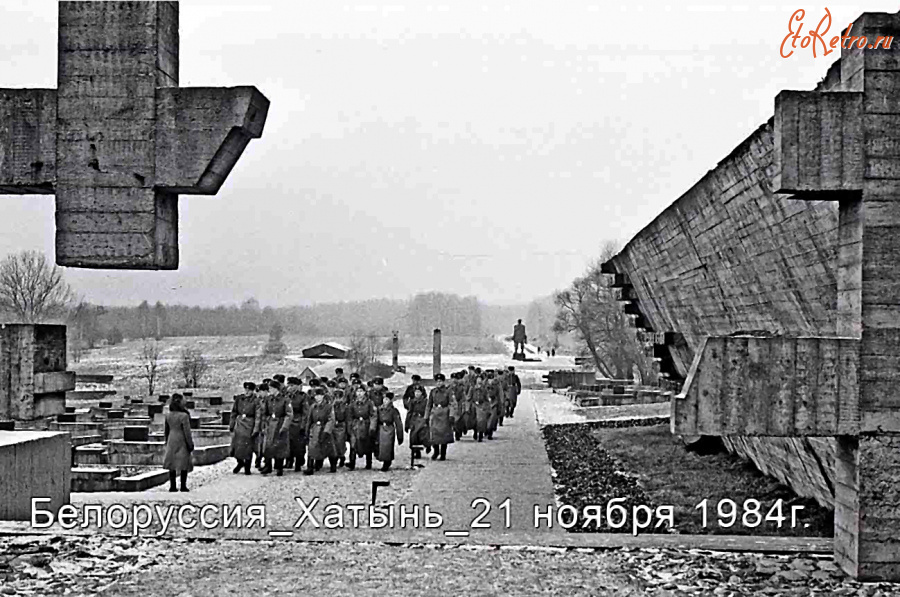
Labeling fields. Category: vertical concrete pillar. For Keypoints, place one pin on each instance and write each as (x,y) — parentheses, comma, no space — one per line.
(867,500)
(437,351)
(395,351)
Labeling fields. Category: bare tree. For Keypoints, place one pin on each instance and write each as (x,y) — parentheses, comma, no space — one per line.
(358,355)
(32,289)
(193,366)
(372,347)
(150,363)
(589,309)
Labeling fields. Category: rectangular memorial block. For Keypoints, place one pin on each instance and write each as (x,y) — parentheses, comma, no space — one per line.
(33,464)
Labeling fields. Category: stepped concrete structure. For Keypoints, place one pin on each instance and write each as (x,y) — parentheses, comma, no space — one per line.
(33,376)
(771,289)
(118,140)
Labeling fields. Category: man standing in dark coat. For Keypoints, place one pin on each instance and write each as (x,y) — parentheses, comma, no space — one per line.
(259,395)
(441,416)
(515,388)
(481,403)
(362,427)
(389,425)
(416,423)
(278,414)
(297,432)
(244,426)
(319,430)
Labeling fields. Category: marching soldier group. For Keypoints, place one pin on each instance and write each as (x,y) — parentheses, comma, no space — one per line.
(284,424)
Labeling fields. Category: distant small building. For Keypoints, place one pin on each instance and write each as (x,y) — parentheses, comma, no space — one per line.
(308,374)
(326,350)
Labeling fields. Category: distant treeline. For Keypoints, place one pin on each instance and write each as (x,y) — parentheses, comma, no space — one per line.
(454,315)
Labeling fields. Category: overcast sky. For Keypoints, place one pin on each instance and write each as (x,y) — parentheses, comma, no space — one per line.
(484,148)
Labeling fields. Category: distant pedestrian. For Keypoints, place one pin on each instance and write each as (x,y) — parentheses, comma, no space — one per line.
(553,352)
(179,443)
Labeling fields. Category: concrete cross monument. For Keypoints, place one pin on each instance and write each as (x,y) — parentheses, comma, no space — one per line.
(841,145)
(118,140)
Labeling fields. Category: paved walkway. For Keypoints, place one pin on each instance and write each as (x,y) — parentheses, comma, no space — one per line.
(513,466)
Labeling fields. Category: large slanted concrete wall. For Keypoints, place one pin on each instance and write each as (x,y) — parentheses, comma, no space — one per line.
(729,256)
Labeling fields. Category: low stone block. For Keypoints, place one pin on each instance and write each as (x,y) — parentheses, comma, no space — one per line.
(136,434)
(66,418)
(105,405)
(115,414)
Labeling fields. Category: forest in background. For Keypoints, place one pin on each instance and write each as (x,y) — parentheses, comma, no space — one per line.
(419,316)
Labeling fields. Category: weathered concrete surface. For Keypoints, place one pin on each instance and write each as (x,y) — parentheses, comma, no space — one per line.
(736,255)
(33,464)
(33,377)
(776,387)
(117,141)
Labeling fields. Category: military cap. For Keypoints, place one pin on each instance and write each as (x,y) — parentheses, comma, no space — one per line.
(378,380)
(279,378)
(339,370)
(249,385)
(354,375)
(416,377)
(294,381)
(331,384)
(323,378)
(263,387)
(314,382)
(355,382)
(267,380)
(511,368)
(320,390)
(440,377)
(275,384)
(388,395)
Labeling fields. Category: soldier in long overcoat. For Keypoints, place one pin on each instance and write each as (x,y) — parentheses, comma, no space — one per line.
(465,415)
(493,389)
(278,413)
(341,434)
(481,402)
(389,425)
(262,390)
(244,426)
(515,388)
(416,424)
(179,442)
(320,434)
(441,415)
(297,430)
(362,427)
